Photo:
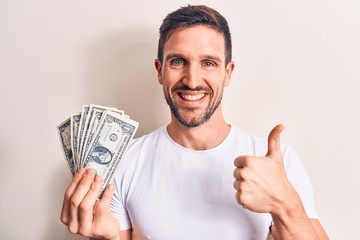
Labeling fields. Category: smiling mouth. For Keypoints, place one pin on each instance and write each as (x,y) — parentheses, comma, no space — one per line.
(192,97)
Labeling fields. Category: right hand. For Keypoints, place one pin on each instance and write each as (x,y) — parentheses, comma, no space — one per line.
(83,212)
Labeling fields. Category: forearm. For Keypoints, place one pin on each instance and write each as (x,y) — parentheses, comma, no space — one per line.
(293,228)
(123,235)
(291,222)
(117,238)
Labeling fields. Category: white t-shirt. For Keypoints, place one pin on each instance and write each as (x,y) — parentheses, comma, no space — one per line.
(167,192)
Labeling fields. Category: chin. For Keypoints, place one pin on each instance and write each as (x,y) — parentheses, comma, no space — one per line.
(192,122)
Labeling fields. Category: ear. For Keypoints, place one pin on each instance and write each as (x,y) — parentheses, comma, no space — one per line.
(158,69)
(228,71)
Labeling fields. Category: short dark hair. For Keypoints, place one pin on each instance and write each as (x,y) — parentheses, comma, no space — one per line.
(190,16)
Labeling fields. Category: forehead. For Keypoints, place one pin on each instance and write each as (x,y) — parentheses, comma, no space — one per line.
(195,40)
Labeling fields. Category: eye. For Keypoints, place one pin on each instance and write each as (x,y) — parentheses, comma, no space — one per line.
(177,62)
(208,64)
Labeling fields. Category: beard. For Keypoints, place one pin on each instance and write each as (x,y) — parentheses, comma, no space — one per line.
(197,119)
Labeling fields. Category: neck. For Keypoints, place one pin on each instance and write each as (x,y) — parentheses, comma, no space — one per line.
(206,136)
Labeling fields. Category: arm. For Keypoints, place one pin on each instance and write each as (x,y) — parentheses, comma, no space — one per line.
(262,186)
(291,222)
(123,235)
(315,225)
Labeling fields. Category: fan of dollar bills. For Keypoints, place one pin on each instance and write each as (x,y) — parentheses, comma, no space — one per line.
(96,138)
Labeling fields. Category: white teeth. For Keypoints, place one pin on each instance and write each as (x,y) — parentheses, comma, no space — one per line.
(192,97)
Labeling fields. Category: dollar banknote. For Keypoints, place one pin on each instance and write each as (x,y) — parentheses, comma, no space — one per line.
(75,121)
(91,124)
(94,124)
(64,131)
(84,114)
(109,144)
(96,138)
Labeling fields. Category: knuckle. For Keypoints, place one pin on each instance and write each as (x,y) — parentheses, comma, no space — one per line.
(241,199)
(67,195)
(64,219)
(73,228)
(239,202)
(97,232)
(84,206)
(236,184)
(244,174)
(235,173)
(83,232)
(240,173)
(243,186)
(74,202)
(237,196)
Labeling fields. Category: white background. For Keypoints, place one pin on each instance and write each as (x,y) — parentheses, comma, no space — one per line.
(297,62)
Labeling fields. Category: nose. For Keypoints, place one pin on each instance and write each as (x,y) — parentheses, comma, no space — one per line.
(192,77)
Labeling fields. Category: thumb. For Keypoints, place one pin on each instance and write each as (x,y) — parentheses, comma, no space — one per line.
(108,195)
(274,140)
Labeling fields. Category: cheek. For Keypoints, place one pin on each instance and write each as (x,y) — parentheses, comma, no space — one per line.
(216,86)
(170,79)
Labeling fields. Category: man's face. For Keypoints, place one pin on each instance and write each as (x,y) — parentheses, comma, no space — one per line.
(193,73)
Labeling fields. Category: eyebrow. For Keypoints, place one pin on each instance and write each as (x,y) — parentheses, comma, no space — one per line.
(173,55)
(212,57)
(177,55)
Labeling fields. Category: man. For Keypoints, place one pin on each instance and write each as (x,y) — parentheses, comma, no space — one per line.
(178,182)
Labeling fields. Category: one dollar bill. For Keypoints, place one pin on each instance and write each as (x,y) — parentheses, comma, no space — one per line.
(64,131)
(109,144)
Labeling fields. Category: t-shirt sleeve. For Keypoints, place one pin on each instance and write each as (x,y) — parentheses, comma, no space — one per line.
(300,179)
(117,207)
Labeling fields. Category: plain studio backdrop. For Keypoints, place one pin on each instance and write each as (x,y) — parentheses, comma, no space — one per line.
(297,62)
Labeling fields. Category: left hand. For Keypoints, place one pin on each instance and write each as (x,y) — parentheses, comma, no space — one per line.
(261,182)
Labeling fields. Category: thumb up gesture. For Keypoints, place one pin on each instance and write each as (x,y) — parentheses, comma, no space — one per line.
(261,182)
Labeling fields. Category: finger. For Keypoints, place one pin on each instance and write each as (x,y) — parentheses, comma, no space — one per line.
(236,173)
(236,185)
(239,197)
(274,140)
(65,212)
(103,208)
(86,209)
(241,161)
(78,196)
